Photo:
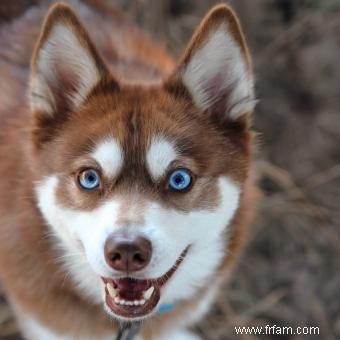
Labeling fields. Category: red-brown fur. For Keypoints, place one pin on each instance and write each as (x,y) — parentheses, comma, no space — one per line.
(28,148)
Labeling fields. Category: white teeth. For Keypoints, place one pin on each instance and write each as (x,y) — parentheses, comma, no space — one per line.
(122,302)
(147,294)
(112,291)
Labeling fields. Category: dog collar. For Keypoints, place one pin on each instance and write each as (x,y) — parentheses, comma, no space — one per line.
(166,308)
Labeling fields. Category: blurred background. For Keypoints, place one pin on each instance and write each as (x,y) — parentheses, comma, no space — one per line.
(289,274)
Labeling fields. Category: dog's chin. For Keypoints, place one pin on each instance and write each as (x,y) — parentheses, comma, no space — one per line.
(130,299)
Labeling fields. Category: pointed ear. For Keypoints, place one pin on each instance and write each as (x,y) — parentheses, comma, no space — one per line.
(216,69)
(65,65)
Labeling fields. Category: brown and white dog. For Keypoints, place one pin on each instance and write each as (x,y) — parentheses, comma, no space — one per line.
(125,185)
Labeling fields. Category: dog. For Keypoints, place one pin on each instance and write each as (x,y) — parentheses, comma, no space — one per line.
(127,182)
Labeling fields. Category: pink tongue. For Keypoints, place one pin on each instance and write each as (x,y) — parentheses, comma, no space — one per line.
(130,289)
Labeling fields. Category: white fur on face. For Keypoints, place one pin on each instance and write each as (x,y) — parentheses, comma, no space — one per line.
(91,228)
(160,154)
(170,232)
(219,70)
(110,157)
(62,56)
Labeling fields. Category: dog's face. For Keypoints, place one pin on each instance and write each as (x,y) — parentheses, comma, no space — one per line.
(138,184)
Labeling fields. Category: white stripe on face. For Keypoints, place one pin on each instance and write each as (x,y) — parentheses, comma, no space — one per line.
(159,156)
(110,157)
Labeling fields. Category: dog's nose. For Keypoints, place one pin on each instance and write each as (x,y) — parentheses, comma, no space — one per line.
(127,255)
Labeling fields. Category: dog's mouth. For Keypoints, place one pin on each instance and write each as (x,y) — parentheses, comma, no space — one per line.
(134,298)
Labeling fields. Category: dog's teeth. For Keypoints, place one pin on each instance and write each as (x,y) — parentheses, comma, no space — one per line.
(147,294)
(122,302)
(112,291)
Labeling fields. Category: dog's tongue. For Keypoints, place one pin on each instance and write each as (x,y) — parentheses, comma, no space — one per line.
(132,289)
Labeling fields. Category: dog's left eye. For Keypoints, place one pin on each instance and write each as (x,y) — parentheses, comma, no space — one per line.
(89,179)
(180,179)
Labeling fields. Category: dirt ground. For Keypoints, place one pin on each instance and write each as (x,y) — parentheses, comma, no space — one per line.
(289,274)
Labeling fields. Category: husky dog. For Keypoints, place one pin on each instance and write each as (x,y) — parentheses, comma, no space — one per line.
(126,186)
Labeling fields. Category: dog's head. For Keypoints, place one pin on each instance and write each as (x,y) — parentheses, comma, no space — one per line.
(139,184)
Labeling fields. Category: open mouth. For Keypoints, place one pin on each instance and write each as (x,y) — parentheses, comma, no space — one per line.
(133,298)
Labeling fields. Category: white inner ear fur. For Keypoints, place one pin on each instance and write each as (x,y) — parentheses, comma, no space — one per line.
(110,157)
(62,55)
(219,70)
(160,154)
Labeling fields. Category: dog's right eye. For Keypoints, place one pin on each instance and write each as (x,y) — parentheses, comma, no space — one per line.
(89,179)
(180,180)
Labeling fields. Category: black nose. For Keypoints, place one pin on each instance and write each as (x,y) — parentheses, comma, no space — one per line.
(126,254)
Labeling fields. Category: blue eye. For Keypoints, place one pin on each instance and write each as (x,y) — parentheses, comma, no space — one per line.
(89,179)
(180,179)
